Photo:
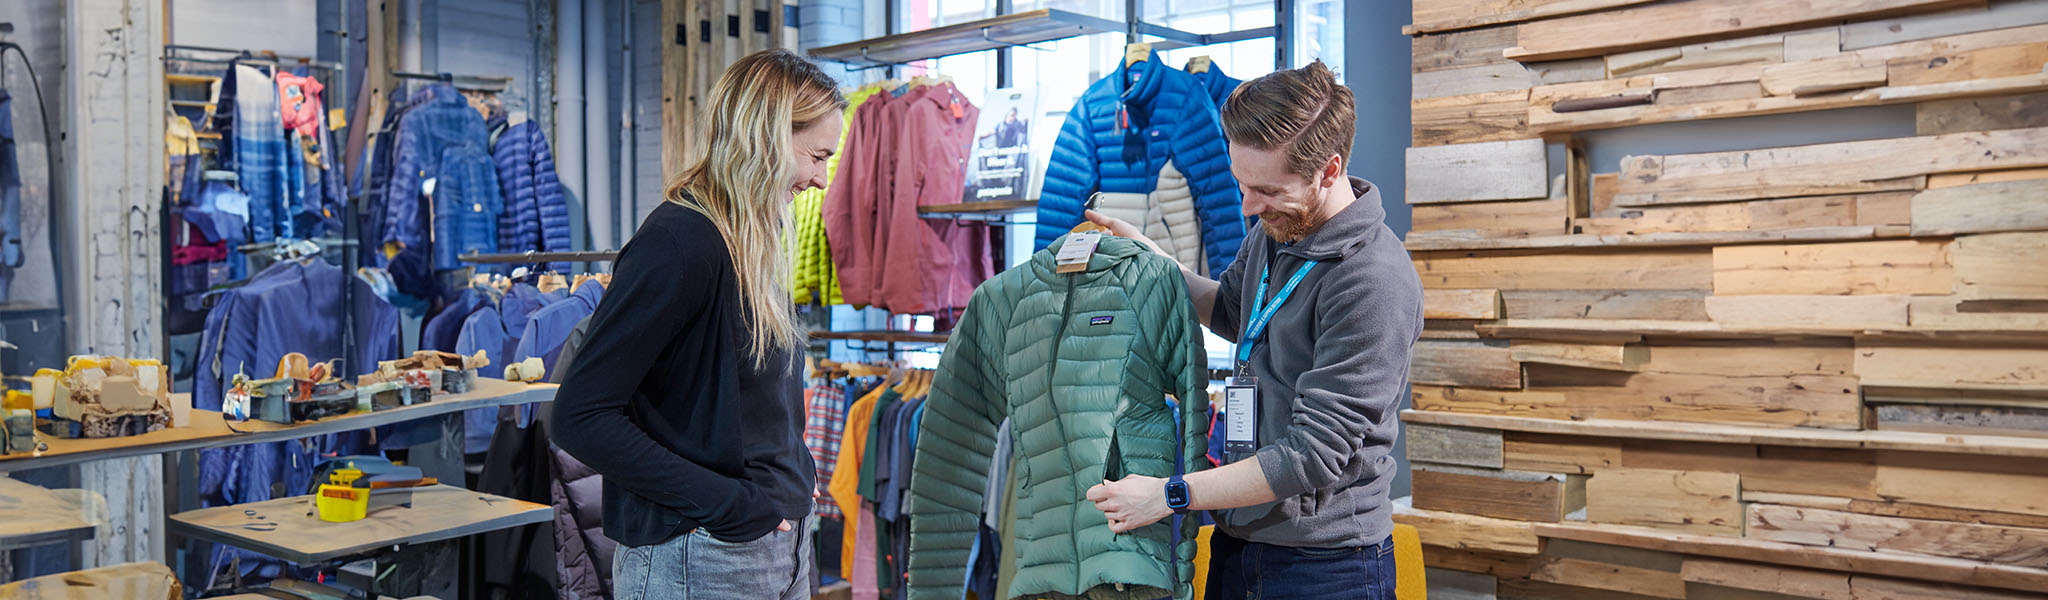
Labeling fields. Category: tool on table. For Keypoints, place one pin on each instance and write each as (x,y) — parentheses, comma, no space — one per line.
(353,481)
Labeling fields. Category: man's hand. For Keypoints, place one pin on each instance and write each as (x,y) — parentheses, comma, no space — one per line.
(1132,502)
(1123,229)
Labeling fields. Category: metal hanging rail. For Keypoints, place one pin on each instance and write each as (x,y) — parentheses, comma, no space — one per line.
(540,257)
(1012,31)
(473,83)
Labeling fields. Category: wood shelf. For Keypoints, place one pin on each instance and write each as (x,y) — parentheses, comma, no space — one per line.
(1578,328)
(1468,239)
(1948,443)
(284,527)
(1000,207)
(905,337)
(1926,568)
(208,429)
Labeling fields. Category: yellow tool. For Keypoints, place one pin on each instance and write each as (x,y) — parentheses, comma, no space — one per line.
(339,500)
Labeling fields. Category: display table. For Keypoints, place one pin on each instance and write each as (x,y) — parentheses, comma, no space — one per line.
(208,429)
(132,581)
(285,527)
(32,516)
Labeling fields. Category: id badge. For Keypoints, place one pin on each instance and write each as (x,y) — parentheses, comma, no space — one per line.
(1241,416)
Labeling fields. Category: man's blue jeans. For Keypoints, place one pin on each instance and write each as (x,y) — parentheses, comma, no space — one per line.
(1241,570)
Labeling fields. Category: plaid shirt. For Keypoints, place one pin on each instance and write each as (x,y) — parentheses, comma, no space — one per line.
(824,422)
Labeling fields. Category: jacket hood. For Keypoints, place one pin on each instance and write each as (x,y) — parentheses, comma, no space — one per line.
(1346,232)
(1108,254)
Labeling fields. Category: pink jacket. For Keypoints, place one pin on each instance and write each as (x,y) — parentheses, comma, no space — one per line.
(849,203)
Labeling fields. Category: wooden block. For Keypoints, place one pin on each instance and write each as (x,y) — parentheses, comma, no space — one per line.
(1831,74)
(1752,359)
(1964,368)
(1447,584)
(1530,404)
(1461,49)
(1798,583)
(1980,114)
(1611,357)
(1984,207)
(134,581)
(1613,555)
(1486,562)
(1474,364)
(1844,167)
(1506,170)
(1762,49)
(1481,79)
(1986,63)
(1605,304)
(1567,71)
(1999,15)
(1816,527)
(1468,532)
(1878,267)
(1942,313)
(1487,117)
(1557,453)
(1689,501)
(1845,312)
(1885,210)
(1460,304)
(1761,215)
(1944,418)
(1648,270)
(1844,473)
(1898,509)
(1518,495)
(2003,484)
(1600,195)
(1617,578)
(1794,401)
(1453,445)
(1684,22)
(1943,570)
(1811,44)
(1512,218)
(1719,92)
(2002,266)
(1445,15)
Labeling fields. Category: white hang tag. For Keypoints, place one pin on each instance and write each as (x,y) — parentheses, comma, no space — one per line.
(1074,255)
(1241,416)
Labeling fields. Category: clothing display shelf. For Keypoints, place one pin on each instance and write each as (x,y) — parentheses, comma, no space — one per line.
(208,429)
(540,257)
(1013,30)
(283,528)
(1002,212)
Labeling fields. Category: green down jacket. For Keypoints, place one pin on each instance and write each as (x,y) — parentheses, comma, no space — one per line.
(1083,364)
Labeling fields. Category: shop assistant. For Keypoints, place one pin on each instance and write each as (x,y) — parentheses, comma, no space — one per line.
(1324,305)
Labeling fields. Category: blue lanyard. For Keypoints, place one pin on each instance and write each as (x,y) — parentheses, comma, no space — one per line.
(1262,314)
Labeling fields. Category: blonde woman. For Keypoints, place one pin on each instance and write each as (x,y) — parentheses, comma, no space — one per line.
(686,396)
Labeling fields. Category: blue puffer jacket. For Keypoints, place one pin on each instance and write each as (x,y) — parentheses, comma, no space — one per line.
(536,215)
(1170,117)
(444,140)
(1218,84)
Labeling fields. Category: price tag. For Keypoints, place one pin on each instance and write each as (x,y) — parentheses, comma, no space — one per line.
(1241,416)
(1073,257)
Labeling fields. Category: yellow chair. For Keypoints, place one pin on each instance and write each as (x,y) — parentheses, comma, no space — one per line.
(1409,584)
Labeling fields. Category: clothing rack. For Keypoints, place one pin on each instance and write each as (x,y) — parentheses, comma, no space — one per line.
(237,55)
(468,83)
(540,257)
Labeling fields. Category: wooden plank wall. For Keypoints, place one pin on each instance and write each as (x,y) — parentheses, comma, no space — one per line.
(1849,341)
(699,39)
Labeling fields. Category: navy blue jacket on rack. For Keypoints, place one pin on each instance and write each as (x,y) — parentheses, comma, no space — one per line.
(536,214)
(1118,136)
(443,141)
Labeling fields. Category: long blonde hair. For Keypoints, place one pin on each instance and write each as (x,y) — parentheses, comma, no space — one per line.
(739,173)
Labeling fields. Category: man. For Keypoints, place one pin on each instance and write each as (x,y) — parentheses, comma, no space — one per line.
(1325,307)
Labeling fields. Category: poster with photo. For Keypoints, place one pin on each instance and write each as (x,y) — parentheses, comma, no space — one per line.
(999,162)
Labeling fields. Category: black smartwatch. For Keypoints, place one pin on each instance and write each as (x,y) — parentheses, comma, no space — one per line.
(1177,495)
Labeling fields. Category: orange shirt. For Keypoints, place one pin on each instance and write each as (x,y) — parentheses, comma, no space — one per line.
(845,487)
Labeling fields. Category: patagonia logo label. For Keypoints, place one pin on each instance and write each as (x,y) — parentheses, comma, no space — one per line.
(1100,320)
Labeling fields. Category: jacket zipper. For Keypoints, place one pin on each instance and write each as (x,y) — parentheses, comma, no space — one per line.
(1052,380)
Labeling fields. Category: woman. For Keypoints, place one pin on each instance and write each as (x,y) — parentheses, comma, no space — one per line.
(686,396)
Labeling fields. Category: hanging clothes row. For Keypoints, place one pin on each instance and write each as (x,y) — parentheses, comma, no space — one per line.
(1145,145)
(509,326)
(905,148)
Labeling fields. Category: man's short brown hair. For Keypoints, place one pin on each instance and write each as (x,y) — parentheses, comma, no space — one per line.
(1304,111)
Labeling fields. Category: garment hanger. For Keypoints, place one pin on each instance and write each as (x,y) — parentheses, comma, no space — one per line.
(1199,64)
(1137,52)
(1087,226)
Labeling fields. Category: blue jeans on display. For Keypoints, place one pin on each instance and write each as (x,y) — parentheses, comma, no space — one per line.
(697,566)
(1241,570)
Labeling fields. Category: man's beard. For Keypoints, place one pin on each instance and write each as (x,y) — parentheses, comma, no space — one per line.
(1288,226)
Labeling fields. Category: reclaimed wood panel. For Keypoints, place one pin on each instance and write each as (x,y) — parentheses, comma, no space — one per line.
(1687,501)
(1794,401)
(1889,508)
(1460,49)
(1983,207)
(2003,484)
(1611,577)
(1944,314)
(1956,446)
(1965,368)
(2000,14)
(1447,15)
(1472,118)
(1763,49)
(1829,74)
(1787,213)
(1811,44)
(1460,304)
(1850,268)
(1845,312)
(2016,546)
(1984,63)
(1548,405)
(1648,270)
(1482,79)
(1980,114)
(1748,359)
(1611,357)
(1605,304)
(1468,532)
(1942,570)
(1453,445)
(2002,266)
(1505,170)
(1558,453)
(1844,167)
(1450,584)
(1674,23)
(1462,363)
(1518,495)
(1487,562)
(1512,218)
(1943,418)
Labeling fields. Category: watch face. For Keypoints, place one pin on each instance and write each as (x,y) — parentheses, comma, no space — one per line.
(1177,495)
